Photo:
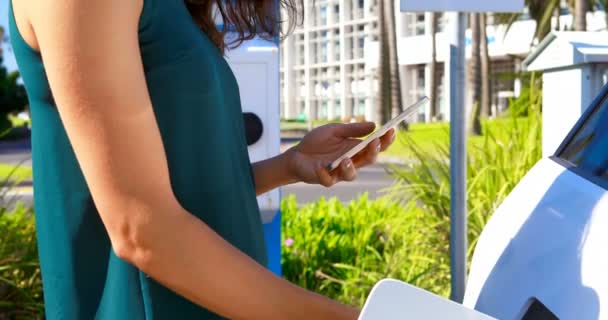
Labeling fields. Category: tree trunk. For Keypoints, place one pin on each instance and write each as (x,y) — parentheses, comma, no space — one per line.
(384,76)
(486,69)
(558,19)
(396,101)
(1,37)
(434,82)
(580,15)
(606,12)
(475,73)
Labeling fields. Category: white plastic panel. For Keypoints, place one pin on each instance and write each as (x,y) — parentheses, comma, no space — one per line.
(256,68)
(395,300)
(546,241)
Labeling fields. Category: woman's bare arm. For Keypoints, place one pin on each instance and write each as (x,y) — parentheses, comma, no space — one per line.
(92,59)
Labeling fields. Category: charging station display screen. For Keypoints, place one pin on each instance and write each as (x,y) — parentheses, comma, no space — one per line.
(538,311)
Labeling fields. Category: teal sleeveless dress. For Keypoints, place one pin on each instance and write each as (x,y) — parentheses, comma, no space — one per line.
(195,98)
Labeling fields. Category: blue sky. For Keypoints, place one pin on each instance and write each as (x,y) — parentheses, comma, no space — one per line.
(9,58)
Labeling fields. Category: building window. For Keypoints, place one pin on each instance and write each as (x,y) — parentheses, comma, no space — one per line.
(360,108)
(441,22)
(338,106)
(361,43)
(349,44)
(323,15)
(323,110)
(419,24)
(420,78)
(373,8)
(415,24)
(337,50)
(416,76)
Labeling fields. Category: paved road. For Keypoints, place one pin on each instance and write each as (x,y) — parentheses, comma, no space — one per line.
(371,179)
(23,193)
(22,156)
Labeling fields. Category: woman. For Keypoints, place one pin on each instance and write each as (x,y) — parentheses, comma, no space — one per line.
(145,197)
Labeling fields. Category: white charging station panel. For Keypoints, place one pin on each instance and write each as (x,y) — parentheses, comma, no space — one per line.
(256,67)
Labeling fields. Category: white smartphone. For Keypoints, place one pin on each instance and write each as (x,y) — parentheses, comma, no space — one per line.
(380,132)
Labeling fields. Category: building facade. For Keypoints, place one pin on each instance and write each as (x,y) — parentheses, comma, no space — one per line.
(323,69)
(328,65)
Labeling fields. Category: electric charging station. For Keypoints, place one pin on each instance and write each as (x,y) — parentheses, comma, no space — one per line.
(573,62)
(256,67)
(542,252)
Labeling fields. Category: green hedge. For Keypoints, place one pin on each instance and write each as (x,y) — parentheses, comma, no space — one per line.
(20,281)
(341,250)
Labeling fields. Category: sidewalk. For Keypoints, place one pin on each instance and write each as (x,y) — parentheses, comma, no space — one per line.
(15,146)
(17,153)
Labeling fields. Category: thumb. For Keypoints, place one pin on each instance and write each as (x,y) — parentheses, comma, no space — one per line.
(354,130)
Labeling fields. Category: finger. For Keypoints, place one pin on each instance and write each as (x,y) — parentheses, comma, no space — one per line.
(348,144)
(358,129)
(387,139)
(368,155)
(325,178)
(347,170)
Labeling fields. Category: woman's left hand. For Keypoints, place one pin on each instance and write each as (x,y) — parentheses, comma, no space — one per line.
(308,160)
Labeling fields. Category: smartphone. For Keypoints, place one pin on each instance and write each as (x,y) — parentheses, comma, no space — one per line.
(380,132)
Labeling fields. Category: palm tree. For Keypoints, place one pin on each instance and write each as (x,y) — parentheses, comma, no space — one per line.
(396,101)
(475,73)
(580,15)
(434,80)
(384,90)
(540,11)
(604,5)
(486,68)
(389,84)
(13,97)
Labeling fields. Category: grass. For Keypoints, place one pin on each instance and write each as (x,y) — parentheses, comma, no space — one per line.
(16,121)
(20,279)
(426,136)
(342,250)
(296,125)
(14,173)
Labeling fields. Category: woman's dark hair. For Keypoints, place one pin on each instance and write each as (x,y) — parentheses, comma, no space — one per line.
(246,18)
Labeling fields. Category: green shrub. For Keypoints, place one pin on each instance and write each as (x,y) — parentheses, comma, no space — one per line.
(341,251)
(510,147)
(20,280)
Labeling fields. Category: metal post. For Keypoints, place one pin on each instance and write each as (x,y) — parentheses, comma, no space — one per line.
(458,173)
